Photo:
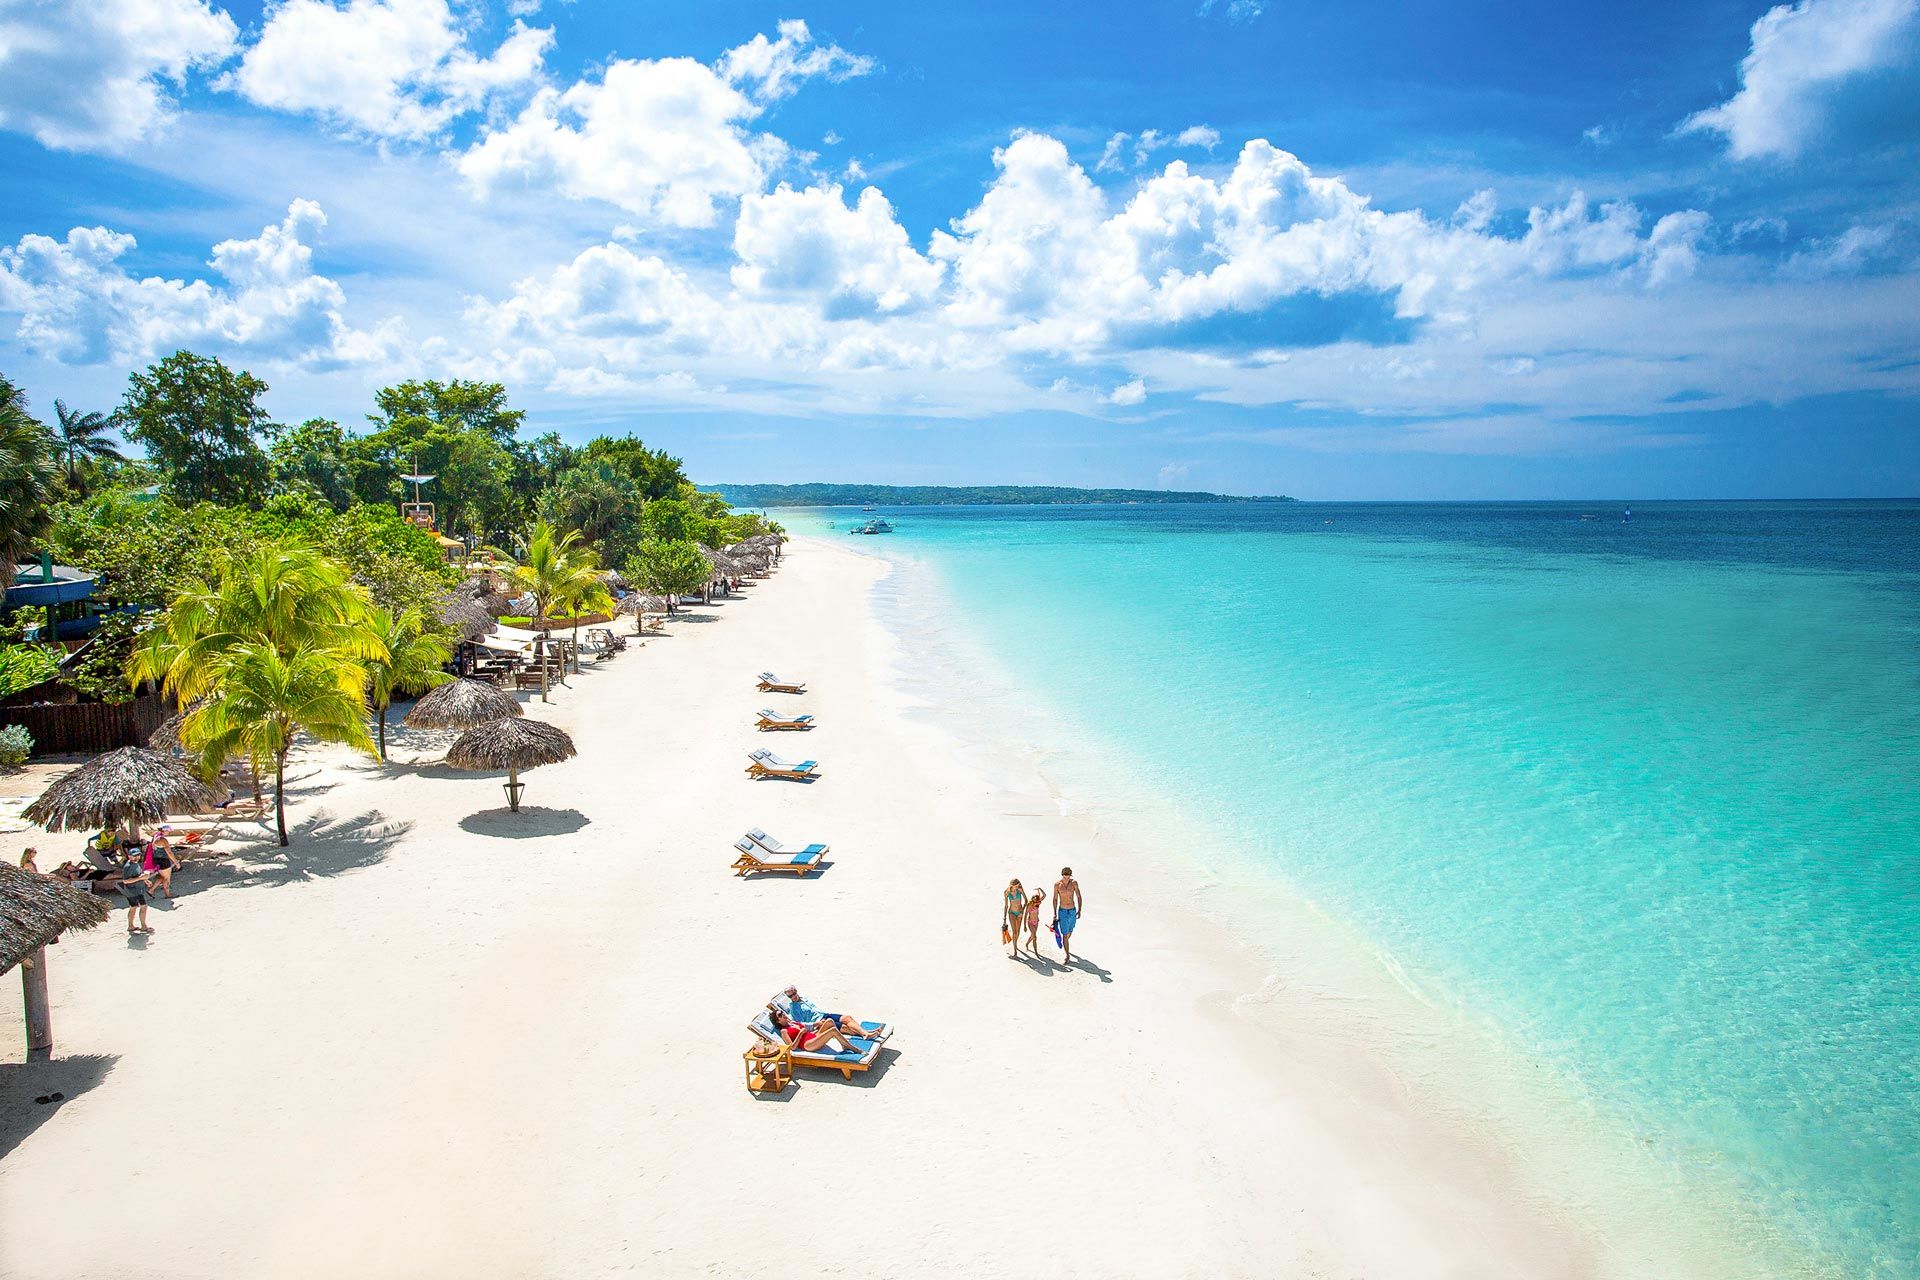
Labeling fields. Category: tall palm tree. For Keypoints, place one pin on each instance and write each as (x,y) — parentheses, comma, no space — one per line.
(557,570)
(284,594)
(27,470)
(267,699)
(283,597)
(83,437)
(415,655)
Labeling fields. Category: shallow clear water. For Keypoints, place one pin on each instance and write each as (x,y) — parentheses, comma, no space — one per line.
(1643,794)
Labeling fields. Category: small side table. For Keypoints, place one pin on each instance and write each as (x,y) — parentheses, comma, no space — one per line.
(769,1068)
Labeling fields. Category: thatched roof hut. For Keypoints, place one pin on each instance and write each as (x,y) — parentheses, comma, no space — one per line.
(131,786)
(512,745)
(462,704)
(463,615)
(36,909)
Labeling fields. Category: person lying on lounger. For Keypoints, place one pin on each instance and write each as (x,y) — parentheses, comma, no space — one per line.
(819,1035)
(806,1011)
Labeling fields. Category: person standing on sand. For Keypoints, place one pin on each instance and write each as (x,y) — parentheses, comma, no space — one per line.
(1067,906)
(1013,907)
(133,887)
(30,859)
(1033,921)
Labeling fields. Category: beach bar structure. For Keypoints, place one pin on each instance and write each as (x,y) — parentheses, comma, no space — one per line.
(34,911)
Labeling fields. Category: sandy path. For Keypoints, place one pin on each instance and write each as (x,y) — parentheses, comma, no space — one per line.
(437,1040)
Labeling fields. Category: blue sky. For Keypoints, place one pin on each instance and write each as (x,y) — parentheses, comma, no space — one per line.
(1355,251)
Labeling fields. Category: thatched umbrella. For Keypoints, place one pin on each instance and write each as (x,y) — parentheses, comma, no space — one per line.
(512,745)
(36,910)
(464,616)
(130,787)
(496,603)
(639,605)
(614,580)
(462,704)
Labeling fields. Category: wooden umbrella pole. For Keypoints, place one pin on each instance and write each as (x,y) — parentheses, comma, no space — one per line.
(33,984)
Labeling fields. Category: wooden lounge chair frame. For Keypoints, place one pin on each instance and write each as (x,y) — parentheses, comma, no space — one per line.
(770,720)
(768,684)
(750,861)
(828,1061)
(767,765)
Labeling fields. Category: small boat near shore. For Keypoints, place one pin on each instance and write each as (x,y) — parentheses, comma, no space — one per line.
(875,525)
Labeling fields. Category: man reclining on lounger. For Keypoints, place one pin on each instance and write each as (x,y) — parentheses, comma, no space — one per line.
(803,1010)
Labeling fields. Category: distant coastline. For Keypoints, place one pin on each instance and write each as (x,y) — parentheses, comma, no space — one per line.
(853,495)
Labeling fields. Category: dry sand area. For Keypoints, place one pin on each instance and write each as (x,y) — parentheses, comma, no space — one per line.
(436,1039)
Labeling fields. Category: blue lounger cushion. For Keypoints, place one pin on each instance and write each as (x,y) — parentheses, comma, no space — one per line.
(806,766)
(802,859)
(813,851)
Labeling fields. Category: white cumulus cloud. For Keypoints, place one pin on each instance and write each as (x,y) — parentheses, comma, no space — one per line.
(387,68)
(100,74)
(1128,393)
(1801,54)
(77,304)
(810,242)
(666,140)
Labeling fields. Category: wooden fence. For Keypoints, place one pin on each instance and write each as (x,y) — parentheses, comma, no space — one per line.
(61,727)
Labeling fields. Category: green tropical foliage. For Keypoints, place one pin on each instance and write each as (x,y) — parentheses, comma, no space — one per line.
(27,473)
(560,572)
(85,439)
(24,665)
(266,698)
(669,567)
(416,650)
(198,420)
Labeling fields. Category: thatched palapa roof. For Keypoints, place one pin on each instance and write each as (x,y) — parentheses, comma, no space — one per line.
(641,602)
(510,744)
(463,615)
(462,704)
(36,909)
(132,784)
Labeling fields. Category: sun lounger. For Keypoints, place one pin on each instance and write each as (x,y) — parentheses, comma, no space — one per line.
(753,860)
(770,683)
(768,765)
(866,1049)
(879,1030)
(773,846)
(774,720)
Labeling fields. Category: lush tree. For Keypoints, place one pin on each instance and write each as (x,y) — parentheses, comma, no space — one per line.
(670,568)
(267,699)
(198,420)
(671,520)
(416,650)
(398,563)
(413,409)
(601,503)
(84,438)
(319,456)
(284,633)
(141,551)
(653,473)
(27,471)
(559,572)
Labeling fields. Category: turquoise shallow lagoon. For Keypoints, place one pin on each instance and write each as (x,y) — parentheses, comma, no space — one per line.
(1643,795)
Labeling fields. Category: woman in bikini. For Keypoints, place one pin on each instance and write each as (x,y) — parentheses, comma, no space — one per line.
(1015,901)
(822,1034)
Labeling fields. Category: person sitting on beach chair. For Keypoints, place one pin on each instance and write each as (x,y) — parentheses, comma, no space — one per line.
(796,1006)
(813,1036)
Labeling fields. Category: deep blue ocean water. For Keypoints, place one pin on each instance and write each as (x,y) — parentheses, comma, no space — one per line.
(1644,794)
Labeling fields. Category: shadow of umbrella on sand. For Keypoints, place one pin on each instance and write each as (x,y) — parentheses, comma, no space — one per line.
(512,745)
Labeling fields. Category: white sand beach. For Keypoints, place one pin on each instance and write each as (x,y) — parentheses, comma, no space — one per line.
(435,1039)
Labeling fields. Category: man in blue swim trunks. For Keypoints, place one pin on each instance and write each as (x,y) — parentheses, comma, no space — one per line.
(1067,906)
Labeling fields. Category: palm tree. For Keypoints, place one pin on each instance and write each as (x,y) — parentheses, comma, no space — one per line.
(284,594)
(83,437)
(283,597)
(557,570)
(414,658)
(26,479)
(267,699)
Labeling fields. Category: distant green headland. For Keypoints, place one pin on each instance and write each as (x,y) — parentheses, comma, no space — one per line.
(921,495)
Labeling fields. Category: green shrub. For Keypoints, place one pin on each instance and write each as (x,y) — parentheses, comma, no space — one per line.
(16,744)
(23,666)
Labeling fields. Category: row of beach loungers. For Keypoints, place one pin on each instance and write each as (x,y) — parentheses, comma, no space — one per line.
(761,854)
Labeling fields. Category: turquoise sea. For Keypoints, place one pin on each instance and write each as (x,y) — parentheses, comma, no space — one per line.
(1644,795)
